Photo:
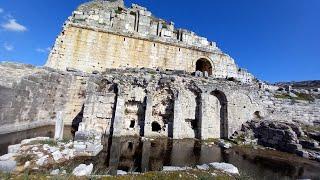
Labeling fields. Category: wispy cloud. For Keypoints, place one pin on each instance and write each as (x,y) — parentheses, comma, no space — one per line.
(43,50)
(8,47)
(1,10)
(13,25)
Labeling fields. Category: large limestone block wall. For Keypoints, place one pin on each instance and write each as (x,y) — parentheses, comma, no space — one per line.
(89,50)
(106,34)
(32,97)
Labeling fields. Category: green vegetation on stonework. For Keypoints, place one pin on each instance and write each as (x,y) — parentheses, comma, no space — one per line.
(50,142)
(300,96)
(309,128)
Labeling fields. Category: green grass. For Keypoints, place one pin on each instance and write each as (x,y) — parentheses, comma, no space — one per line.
(305,97)
(309,128)
(300,96)
(186,175)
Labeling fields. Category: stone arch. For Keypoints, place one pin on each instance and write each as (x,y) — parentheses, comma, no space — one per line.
(204,64)
(223,112)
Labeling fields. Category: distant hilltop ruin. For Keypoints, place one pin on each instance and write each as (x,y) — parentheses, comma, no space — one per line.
(104,34)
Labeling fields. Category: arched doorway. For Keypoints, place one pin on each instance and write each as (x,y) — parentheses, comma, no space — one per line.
(223,112)
(204,65)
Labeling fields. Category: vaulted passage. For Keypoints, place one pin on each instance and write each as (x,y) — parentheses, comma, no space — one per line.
(204,65)
(222,112)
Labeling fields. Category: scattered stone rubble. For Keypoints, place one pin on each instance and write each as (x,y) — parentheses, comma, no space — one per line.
(36,153)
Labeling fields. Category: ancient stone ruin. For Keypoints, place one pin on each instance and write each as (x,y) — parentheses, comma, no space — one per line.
(121,71)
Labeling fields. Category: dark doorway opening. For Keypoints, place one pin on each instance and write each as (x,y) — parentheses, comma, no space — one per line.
(156,127)
(132,123)
(204,65)
(77,120)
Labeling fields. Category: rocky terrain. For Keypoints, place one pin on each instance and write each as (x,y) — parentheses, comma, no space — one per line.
(300,139)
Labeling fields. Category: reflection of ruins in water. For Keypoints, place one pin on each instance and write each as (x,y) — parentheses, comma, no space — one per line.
(131,154)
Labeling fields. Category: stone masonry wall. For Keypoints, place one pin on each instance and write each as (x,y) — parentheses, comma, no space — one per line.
(32,97)
(102,34)
(140,102)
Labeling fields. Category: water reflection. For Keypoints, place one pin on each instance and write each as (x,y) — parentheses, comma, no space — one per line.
(17,137)
(133,155)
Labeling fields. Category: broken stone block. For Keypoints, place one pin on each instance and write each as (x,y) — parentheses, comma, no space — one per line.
(302,153)
(198,74)
(14,148)
(8,165)
(121,172)
(83,170)
(229,168)
(42,161)
(57,155)
(203,167)
(309,144)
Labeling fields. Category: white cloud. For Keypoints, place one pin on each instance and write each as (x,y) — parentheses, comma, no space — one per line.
(43,50)
(8,47)
(12,25)
(1,10)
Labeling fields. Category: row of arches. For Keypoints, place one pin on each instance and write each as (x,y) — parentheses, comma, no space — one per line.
(218,116)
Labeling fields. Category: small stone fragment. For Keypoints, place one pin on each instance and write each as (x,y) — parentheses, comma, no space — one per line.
(226,167)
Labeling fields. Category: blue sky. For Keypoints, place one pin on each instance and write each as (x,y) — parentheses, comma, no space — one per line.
(276,40)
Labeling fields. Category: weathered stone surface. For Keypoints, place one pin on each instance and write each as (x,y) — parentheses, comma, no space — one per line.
(83,170)
(14,148)
(58,133)
(55,172)
(57,155)
(203,167)
(229,168)
(135,34)
(121,172)
(175,168)
(309,144)
(7,166)
(42,161)
(7,156)
(224,144)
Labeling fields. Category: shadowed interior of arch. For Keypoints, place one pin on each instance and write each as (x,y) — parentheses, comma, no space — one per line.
(223,113)
(204,65)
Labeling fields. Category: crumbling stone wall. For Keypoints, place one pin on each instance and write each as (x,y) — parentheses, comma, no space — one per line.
(153,104)
(127,102)
(31,97)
